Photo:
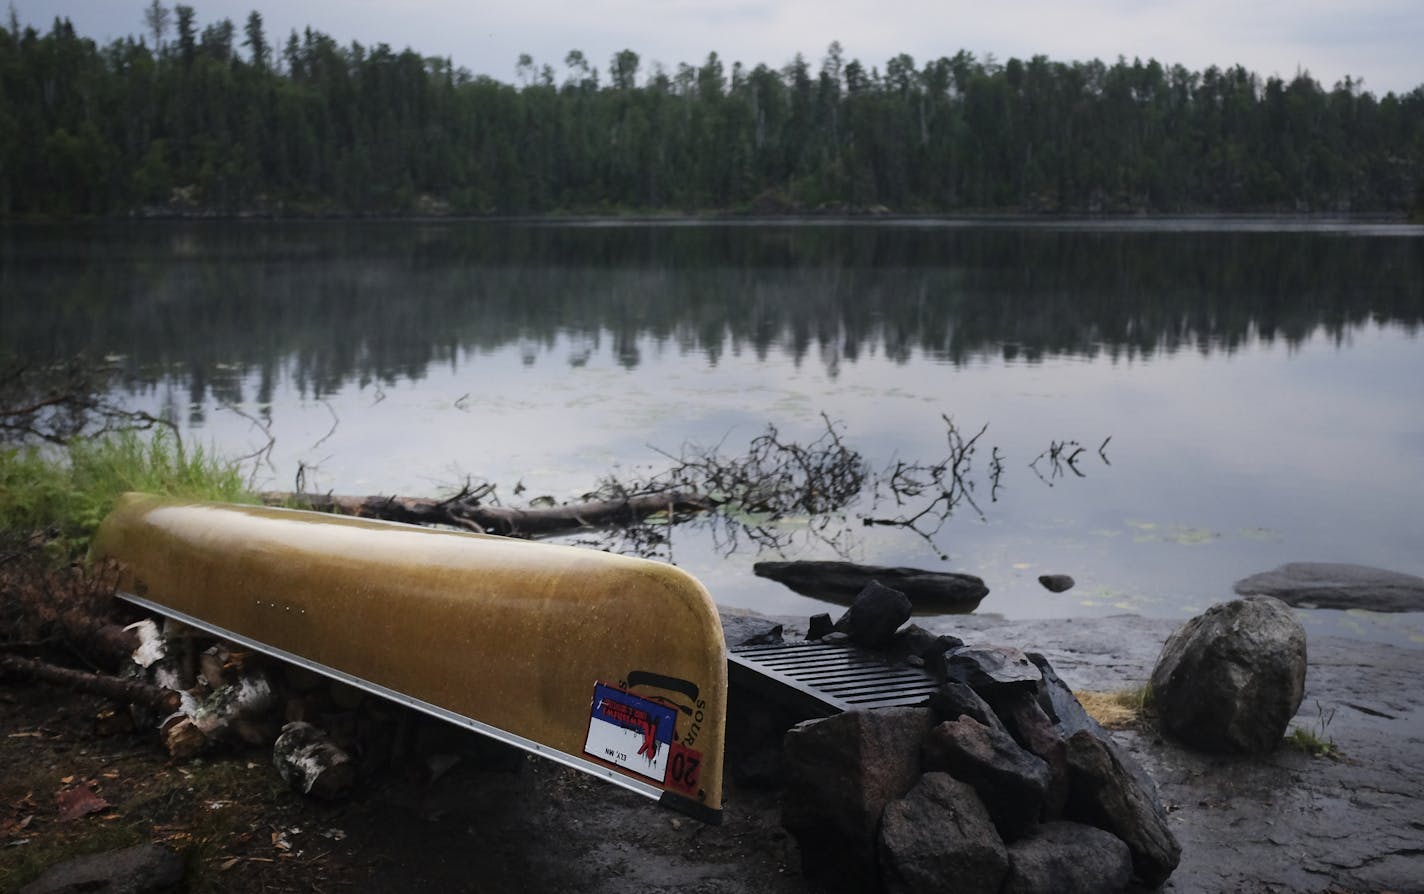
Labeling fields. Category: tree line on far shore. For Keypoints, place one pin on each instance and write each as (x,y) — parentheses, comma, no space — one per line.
(217,119)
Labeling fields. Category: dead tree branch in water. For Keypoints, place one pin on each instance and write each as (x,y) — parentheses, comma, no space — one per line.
(62,401)
(946,484)
(262,455)
(1065,455)
(767,496)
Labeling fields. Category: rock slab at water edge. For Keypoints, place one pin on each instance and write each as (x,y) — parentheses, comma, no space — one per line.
(1337,585)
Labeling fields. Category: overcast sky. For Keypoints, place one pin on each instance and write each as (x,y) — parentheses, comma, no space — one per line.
(1381,41)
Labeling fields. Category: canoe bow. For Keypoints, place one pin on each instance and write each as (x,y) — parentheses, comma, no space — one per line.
(612,665)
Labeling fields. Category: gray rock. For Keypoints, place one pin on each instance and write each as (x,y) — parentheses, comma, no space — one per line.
(1231,679)
(1059,702)
(954,700)
(1032,729)
(841,771)
(984,667)
(939,838)
(749,630)
(1012,783)
(915,642)
(873,618)
(819,626)
(132,870)
(1103,793)
(1336,585)
(1068,858)
(1069,717)
(1056,583)
(938,591)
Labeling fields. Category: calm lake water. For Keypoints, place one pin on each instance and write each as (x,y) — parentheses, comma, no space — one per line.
(1261,382)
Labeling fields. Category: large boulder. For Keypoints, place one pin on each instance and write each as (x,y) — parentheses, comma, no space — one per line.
(1231,679)
(1337,585)
(841,771)
(938,838)
(938,591)
(1103,793)
(1068,858)
(1012,783)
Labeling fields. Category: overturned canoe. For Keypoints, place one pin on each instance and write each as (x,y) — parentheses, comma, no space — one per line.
(612,665)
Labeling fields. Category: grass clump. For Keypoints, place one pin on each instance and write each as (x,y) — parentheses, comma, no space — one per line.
(1313,740)
(1122,709)
(1311,743)
(61,494)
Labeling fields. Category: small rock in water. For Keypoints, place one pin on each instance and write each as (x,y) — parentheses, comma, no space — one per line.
(819,626)
(1056,583)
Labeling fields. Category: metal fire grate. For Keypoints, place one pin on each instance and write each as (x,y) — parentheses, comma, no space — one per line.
(828,679)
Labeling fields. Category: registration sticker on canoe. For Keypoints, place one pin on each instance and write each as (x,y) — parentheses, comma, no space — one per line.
(631,732)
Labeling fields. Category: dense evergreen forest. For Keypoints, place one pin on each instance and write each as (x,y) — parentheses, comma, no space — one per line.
(190,119)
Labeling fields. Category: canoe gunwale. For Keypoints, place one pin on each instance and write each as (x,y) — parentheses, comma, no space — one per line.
(671,800)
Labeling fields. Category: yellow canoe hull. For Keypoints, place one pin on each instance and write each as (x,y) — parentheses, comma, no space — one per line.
(610,664)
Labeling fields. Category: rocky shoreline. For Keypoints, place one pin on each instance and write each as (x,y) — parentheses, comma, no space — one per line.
(1287,821)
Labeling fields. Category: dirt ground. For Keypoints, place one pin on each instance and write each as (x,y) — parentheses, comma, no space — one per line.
(499,821)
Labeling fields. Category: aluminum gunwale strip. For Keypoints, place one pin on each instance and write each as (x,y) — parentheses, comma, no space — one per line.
(494,732)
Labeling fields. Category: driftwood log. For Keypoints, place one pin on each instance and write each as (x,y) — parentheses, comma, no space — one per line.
(311,763)
(468,514)
(133,691)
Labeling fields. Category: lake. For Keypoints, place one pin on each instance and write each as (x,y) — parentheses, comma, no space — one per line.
(1246,392)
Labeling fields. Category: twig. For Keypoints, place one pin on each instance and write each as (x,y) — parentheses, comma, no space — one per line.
(335,421)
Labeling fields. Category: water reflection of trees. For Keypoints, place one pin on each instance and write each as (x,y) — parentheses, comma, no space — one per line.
(328,304)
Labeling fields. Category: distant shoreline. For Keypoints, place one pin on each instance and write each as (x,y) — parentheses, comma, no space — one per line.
(801,218)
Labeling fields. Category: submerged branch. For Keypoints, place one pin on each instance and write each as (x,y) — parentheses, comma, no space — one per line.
(59,402)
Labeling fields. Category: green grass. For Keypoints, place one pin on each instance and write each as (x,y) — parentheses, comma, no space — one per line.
(1310,742)
(1313,740)
(65,493)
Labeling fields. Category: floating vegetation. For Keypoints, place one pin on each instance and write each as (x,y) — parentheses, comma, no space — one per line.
(1186,535)
(1265,535)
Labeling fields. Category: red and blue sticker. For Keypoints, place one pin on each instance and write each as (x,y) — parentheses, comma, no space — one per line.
(630,732)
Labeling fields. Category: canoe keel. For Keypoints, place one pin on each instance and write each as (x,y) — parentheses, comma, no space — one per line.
(611,665)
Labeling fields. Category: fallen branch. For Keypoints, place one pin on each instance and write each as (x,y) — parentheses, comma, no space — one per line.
(132,691)
(466,512)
